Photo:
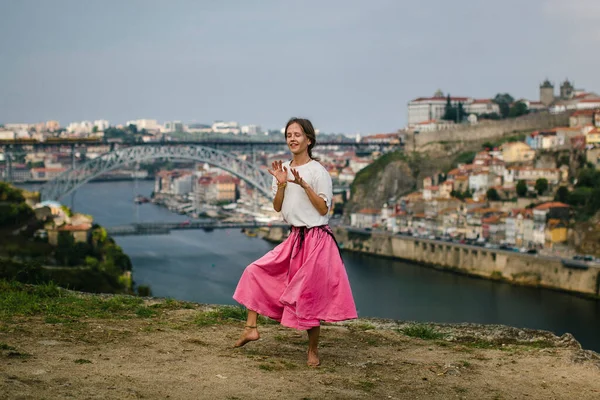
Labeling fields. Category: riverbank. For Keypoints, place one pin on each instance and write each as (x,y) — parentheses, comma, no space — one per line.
(494,264)
(79,345)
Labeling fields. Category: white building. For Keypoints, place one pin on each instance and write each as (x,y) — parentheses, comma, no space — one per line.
(17,127)
(147,124)
(226,127)
(173,126)
(101,125)
(479,182)
(346,175)
(356,164)
(251,130)
(182,185)
(8,135)
(80,127)
(425,109)
(481,106)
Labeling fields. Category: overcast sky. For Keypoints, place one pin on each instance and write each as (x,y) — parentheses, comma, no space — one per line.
(349,65)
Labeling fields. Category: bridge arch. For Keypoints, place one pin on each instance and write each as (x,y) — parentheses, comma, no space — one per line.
(73,178)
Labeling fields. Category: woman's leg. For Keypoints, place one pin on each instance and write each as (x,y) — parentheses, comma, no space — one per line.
(313,344)
(250,332)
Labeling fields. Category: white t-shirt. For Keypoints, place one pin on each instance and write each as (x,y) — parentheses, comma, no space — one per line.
(297,210)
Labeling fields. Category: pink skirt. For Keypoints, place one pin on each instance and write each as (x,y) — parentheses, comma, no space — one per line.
(300,282)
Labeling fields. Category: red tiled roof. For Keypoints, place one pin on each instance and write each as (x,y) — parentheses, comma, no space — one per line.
(441,98)
(551,204)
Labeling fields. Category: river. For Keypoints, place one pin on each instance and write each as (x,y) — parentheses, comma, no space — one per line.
(204,267)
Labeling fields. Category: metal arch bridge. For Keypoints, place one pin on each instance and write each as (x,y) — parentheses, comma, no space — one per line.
(75,177)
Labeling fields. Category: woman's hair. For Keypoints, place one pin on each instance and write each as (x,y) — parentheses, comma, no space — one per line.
(308,129)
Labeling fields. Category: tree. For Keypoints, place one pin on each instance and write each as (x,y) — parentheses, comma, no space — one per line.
(95,129)
(541,185)
(562,194)
(504,100)
(517,109)
(521,189)
(492,194)
(448,110)
(132,128)
(451,113)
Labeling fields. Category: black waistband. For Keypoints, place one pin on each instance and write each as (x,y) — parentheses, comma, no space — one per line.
(302,230)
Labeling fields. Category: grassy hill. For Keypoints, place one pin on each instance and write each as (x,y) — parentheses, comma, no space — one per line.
(60,344)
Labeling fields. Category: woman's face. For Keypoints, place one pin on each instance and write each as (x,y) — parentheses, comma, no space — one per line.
(296,139)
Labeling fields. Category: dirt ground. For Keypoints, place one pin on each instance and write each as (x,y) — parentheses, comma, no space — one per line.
(173,358)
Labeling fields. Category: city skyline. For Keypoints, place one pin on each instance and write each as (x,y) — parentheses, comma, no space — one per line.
(349,66)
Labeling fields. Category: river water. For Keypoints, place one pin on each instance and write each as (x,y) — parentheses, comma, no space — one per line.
(204,267)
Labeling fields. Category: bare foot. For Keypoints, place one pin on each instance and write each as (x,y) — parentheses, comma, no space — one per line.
(313,358)
(249,335)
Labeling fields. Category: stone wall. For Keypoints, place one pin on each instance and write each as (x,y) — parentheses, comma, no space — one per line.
(509,266)
(487,130)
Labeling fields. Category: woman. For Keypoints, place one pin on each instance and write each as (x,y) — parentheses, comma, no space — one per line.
(303,280)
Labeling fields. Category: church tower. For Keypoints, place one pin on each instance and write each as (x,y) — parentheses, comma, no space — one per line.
(547,93)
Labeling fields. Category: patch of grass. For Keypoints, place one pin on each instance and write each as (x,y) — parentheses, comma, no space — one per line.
(61,306)
(422,331)
(367,386)
(221,315)
(465,363)
(172,304)
(280,338)
(460,389)
(4,346)
(82,361)
(145,312)
(288,364)
(266,367)
(363,326)
(17,354)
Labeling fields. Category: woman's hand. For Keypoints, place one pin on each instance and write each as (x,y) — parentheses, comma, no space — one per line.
(298,179)
(280,173)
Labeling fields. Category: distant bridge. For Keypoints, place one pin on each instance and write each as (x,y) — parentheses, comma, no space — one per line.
(73,178)
(161,228)
(84,142)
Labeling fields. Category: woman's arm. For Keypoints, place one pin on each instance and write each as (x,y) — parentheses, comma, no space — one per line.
(317,201)
(278,200)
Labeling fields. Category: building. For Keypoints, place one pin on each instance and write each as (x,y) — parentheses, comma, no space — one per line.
(101,125)
(517,152)
(173,126)
(226,127)
(83,127)
(542,214)
(582,118)
(428,109)
(592,137)
(46,174)
(251,130)
(182,184)
(226,188)
(365,218)
(357,163)
(547,93)
(148,124)
(52,126)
